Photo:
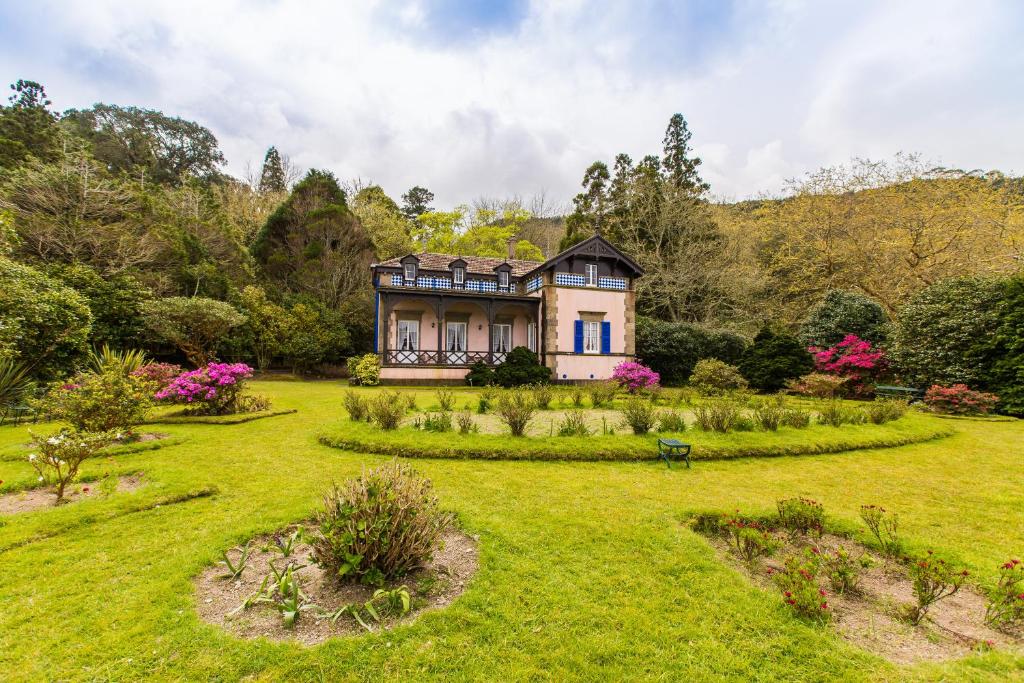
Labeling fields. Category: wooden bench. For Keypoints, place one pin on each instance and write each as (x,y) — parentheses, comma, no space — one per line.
(667,447)
(890,391)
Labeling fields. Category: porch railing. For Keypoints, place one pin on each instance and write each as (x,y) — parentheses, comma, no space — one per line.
(402,357)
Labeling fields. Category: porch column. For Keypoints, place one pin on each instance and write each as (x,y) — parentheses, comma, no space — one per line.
(439,314)
(385,325)
(490,331)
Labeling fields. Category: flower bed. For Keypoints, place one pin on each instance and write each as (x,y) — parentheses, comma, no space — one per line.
(215,389)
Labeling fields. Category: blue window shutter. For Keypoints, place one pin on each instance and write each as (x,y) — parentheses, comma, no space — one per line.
(606,337)
(579,336)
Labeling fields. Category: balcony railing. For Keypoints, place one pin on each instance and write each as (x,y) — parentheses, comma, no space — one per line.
(444,283)
(401,357)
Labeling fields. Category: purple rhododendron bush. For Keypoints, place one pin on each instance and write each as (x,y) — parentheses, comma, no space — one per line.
(634,377)
(214,389)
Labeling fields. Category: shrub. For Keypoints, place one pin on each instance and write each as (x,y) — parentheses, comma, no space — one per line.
(364,370)
(408,400)
(211,390)
(315,334)
(542,395)
(61,455)
(844,571)
(853,358)
(768,413)
(959,400)
(796,418)
(484,401)
(883,410)
(1004,374)
(841,313)
(800,515)
(748,539)
(109,401)
(834,414)
(602,393)
(773,359)
(195,325)
(673,349)
(818,385)
(516,409)
(521,367)
(379,526)
(356,406)
(671,421)
(480,375)
(798,581)
(712,376)
(574,423)
(719,416)
(884,526)
(1006,600)
(440,422)
(639,415)
(445,399)
(634,377)
(159,375)
(934,579)
(386,410)
(465,422)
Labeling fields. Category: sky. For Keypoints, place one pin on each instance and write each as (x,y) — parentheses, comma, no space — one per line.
(509,98)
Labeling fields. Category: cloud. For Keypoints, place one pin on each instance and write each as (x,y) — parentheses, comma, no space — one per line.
(507,98)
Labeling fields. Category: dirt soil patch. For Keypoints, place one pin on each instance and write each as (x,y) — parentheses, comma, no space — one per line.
(872,617)
(218,597)
(40,498)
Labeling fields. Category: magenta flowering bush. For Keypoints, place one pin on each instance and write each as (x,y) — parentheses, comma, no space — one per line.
(158,374)
(634,377)
(215,389)
(959,399)
(853,358)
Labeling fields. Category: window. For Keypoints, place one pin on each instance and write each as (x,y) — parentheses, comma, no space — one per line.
(502,338)
(591,336)
(410,271)
(531,336)
(591,270)
(408,335)
(458,275)
(503,279)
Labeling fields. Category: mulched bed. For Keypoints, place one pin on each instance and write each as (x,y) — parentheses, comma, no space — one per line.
(42,498)
(872,617)
(434,586)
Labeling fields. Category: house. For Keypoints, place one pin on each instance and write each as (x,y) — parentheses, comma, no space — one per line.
(436,314)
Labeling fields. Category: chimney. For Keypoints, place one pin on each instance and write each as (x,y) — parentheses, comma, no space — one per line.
(511,247)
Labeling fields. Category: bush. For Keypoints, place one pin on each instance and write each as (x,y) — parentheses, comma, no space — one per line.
(796,418)
(109,401)
(1005,372)
(445,400)
(773,359)
(379,526)
(576,396)
(883,410)
(856,360)
(671,421)
(195,325)
(386,410)
(516,409)
(721,415)
(841,313)
(356,406)
(521,367)
(818,385)
(798,581)
(480,375)
(934,579)
(212,390)
(769,413)
(673,349)
(712,376)
(844,571)
(574,424)
(364,370)
(440,422)
(465,422)
(542,395)
(602,393)
(15,383)
(801,515)
(884,526)
(484,401)
(127,362)
(315,334)
(639,415)
(1006,600)
(959,400)
(158,375)
(61,455)
(835,414)
(748,539)
(634,377)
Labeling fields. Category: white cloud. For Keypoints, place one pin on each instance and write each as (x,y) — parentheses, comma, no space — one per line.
(769,91)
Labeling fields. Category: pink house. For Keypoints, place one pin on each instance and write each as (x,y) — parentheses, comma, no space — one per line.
(437,314)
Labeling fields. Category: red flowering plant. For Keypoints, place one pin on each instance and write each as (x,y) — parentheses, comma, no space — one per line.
(634,377)
(749,539)
(215,389)
(934,579)
(1006,599)
(798,581)
(959,399)
(159,375)
(853,358)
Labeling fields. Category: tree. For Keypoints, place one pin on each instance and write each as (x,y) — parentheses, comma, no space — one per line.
(44,324)
(680,167)
(115,302)
(673,349)
(27,126)
(194,325)
(314,335)
(265,330)
(773,359)
(147,144)
(480,232)
(312,244)
(589,206)
(387,226)
(841,313)
(416,202)
(1005,348)
(272,176)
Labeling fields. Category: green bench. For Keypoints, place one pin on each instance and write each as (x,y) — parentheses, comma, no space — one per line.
(17,413)
(667,447)
(890,391)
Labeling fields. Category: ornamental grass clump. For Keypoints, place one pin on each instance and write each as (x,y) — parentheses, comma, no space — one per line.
(543,394)
(215,389)
(834,414)
(800,515)
(671,421)
(1006,600)
(883,410)
(639,415)
(356,405)
(635,377)
(574,423)
(884,526)
(768,413)
(796,418)
(934,579)
(386,410)
(798,581)
(516,408)
(379,526)
(722,415)
(60,456)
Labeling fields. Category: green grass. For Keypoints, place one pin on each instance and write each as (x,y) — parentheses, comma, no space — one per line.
(587,572)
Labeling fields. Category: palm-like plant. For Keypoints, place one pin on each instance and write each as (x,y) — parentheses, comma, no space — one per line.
(15,382)
(107,359)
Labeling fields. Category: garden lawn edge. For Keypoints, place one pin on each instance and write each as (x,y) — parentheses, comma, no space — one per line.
(218,419)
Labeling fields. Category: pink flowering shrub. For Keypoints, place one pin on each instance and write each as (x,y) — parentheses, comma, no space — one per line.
(215,389)
(959,400)
(853,358)
(634,377)
(1006,600)
(158,374)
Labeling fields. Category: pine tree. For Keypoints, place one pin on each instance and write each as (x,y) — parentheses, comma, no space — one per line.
(416,202)
(272,177)
(590,206)
(27,126)
(680,167)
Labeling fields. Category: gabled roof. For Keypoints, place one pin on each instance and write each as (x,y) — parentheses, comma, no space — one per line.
(595,246)
(480,265)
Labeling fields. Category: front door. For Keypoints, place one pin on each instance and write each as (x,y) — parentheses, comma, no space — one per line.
(456,343)
(408,341)
(501,341)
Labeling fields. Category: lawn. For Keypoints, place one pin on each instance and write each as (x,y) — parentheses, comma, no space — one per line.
(586,571)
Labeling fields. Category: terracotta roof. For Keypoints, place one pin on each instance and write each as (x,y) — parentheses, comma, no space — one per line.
(483,265)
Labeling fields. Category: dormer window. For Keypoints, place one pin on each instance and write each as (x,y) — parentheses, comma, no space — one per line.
(410,271)
(503,279)
(591,271)
(458,275)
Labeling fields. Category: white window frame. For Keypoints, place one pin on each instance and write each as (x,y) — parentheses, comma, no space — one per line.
(591,336)
(503,278)
(590,269)
(409,271)
(531,336)
(456,341)
(459,275)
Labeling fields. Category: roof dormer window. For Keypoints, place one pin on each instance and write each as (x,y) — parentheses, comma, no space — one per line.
(458,275)
(503,279)
(591,271)
(410,271)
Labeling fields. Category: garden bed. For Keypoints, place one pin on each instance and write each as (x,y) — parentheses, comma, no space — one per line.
(219,599)
(40,498)
(182,417)
(817,439)
(872,616)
